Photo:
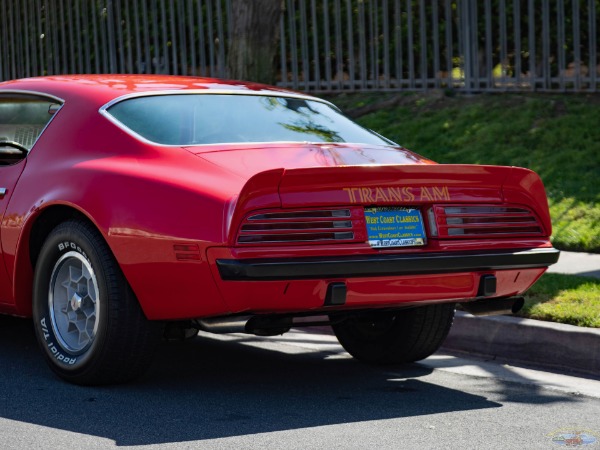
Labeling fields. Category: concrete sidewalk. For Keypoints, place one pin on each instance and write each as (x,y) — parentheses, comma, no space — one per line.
(573,263)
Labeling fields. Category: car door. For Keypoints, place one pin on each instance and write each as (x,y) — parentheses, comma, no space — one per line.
(23,116)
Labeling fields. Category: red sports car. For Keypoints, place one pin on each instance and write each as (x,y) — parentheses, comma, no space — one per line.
(134,206)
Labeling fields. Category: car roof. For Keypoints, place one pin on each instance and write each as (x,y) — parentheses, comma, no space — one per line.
(102,89)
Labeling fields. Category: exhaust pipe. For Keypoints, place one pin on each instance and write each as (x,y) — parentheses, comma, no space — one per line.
(222,325)
(258,325)
(494,306)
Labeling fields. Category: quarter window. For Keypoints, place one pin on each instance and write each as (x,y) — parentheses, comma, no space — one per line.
(22,119)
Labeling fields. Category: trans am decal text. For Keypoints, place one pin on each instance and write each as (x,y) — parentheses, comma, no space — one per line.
(397,194)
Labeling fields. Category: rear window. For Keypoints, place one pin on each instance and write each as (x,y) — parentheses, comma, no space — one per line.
(196,119)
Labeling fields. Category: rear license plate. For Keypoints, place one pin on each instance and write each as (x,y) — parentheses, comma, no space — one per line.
(394,227)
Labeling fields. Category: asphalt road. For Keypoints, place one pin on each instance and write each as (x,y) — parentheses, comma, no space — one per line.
(298,391)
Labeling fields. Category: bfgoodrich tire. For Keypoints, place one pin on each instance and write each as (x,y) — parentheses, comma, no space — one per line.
(87,320)
(396,337)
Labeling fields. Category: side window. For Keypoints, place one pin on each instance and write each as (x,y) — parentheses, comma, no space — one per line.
(22,119)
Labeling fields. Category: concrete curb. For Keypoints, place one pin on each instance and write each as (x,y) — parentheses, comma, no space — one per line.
(548,344)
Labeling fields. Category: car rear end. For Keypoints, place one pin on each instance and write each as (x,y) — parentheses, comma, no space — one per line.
(317,240)
(335,224)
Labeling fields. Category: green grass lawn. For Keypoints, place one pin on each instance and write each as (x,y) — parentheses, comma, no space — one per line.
(565,299)
(558,136)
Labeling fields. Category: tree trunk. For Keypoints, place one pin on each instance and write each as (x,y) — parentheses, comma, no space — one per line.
(254,39)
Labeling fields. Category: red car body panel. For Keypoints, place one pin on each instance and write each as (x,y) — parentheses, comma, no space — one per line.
(171,215)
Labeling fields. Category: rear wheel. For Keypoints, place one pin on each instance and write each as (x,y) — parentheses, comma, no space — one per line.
(396,337)
(87,320)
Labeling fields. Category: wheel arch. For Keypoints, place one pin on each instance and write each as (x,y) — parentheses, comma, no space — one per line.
(33,236)
(85,331)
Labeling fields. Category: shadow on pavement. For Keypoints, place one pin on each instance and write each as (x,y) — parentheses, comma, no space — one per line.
(208,388)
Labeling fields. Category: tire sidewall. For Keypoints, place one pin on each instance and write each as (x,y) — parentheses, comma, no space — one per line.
(404,336)
(64,239)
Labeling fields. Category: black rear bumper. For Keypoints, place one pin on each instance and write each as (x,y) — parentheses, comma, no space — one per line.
(383,265)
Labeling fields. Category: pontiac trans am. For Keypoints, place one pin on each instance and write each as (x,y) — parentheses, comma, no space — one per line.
(138,206)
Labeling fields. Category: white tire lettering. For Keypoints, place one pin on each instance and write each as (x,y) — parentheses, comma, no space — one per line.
(59,356)
(45,329)
(71,245)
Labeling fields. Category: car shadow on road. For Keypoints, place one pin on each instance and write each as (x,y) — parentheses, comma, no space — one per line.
(213,388)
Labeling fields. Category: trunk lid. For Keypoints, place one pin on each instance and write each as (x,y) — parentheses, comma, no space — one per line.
(393,185)
(247,160)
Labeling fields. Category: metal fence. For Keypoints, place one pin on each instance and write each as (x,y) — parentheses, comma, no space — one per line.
(326,45)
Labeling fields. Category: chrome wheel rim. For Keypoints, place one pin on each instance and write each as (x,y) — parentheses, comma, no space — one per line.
(74,302)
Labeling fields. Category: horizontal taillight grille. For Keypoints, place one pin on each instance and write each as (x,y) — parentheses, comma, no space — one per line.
(484,221)
(310,226)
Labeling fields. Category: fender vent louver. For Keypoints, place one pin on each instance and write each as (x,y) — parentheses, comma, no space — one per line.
(309,226)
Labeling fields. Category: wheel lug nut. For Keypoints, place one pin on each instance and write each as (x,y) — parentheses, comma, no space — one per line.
(76,301)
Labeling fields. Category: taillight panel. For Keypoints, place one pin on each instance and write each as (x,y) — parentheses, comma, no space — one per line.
(347,225)
(464,221)
(313,226)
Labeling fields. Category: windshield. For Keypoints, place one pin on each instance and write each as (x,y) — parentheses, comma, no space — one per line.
(193,119)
